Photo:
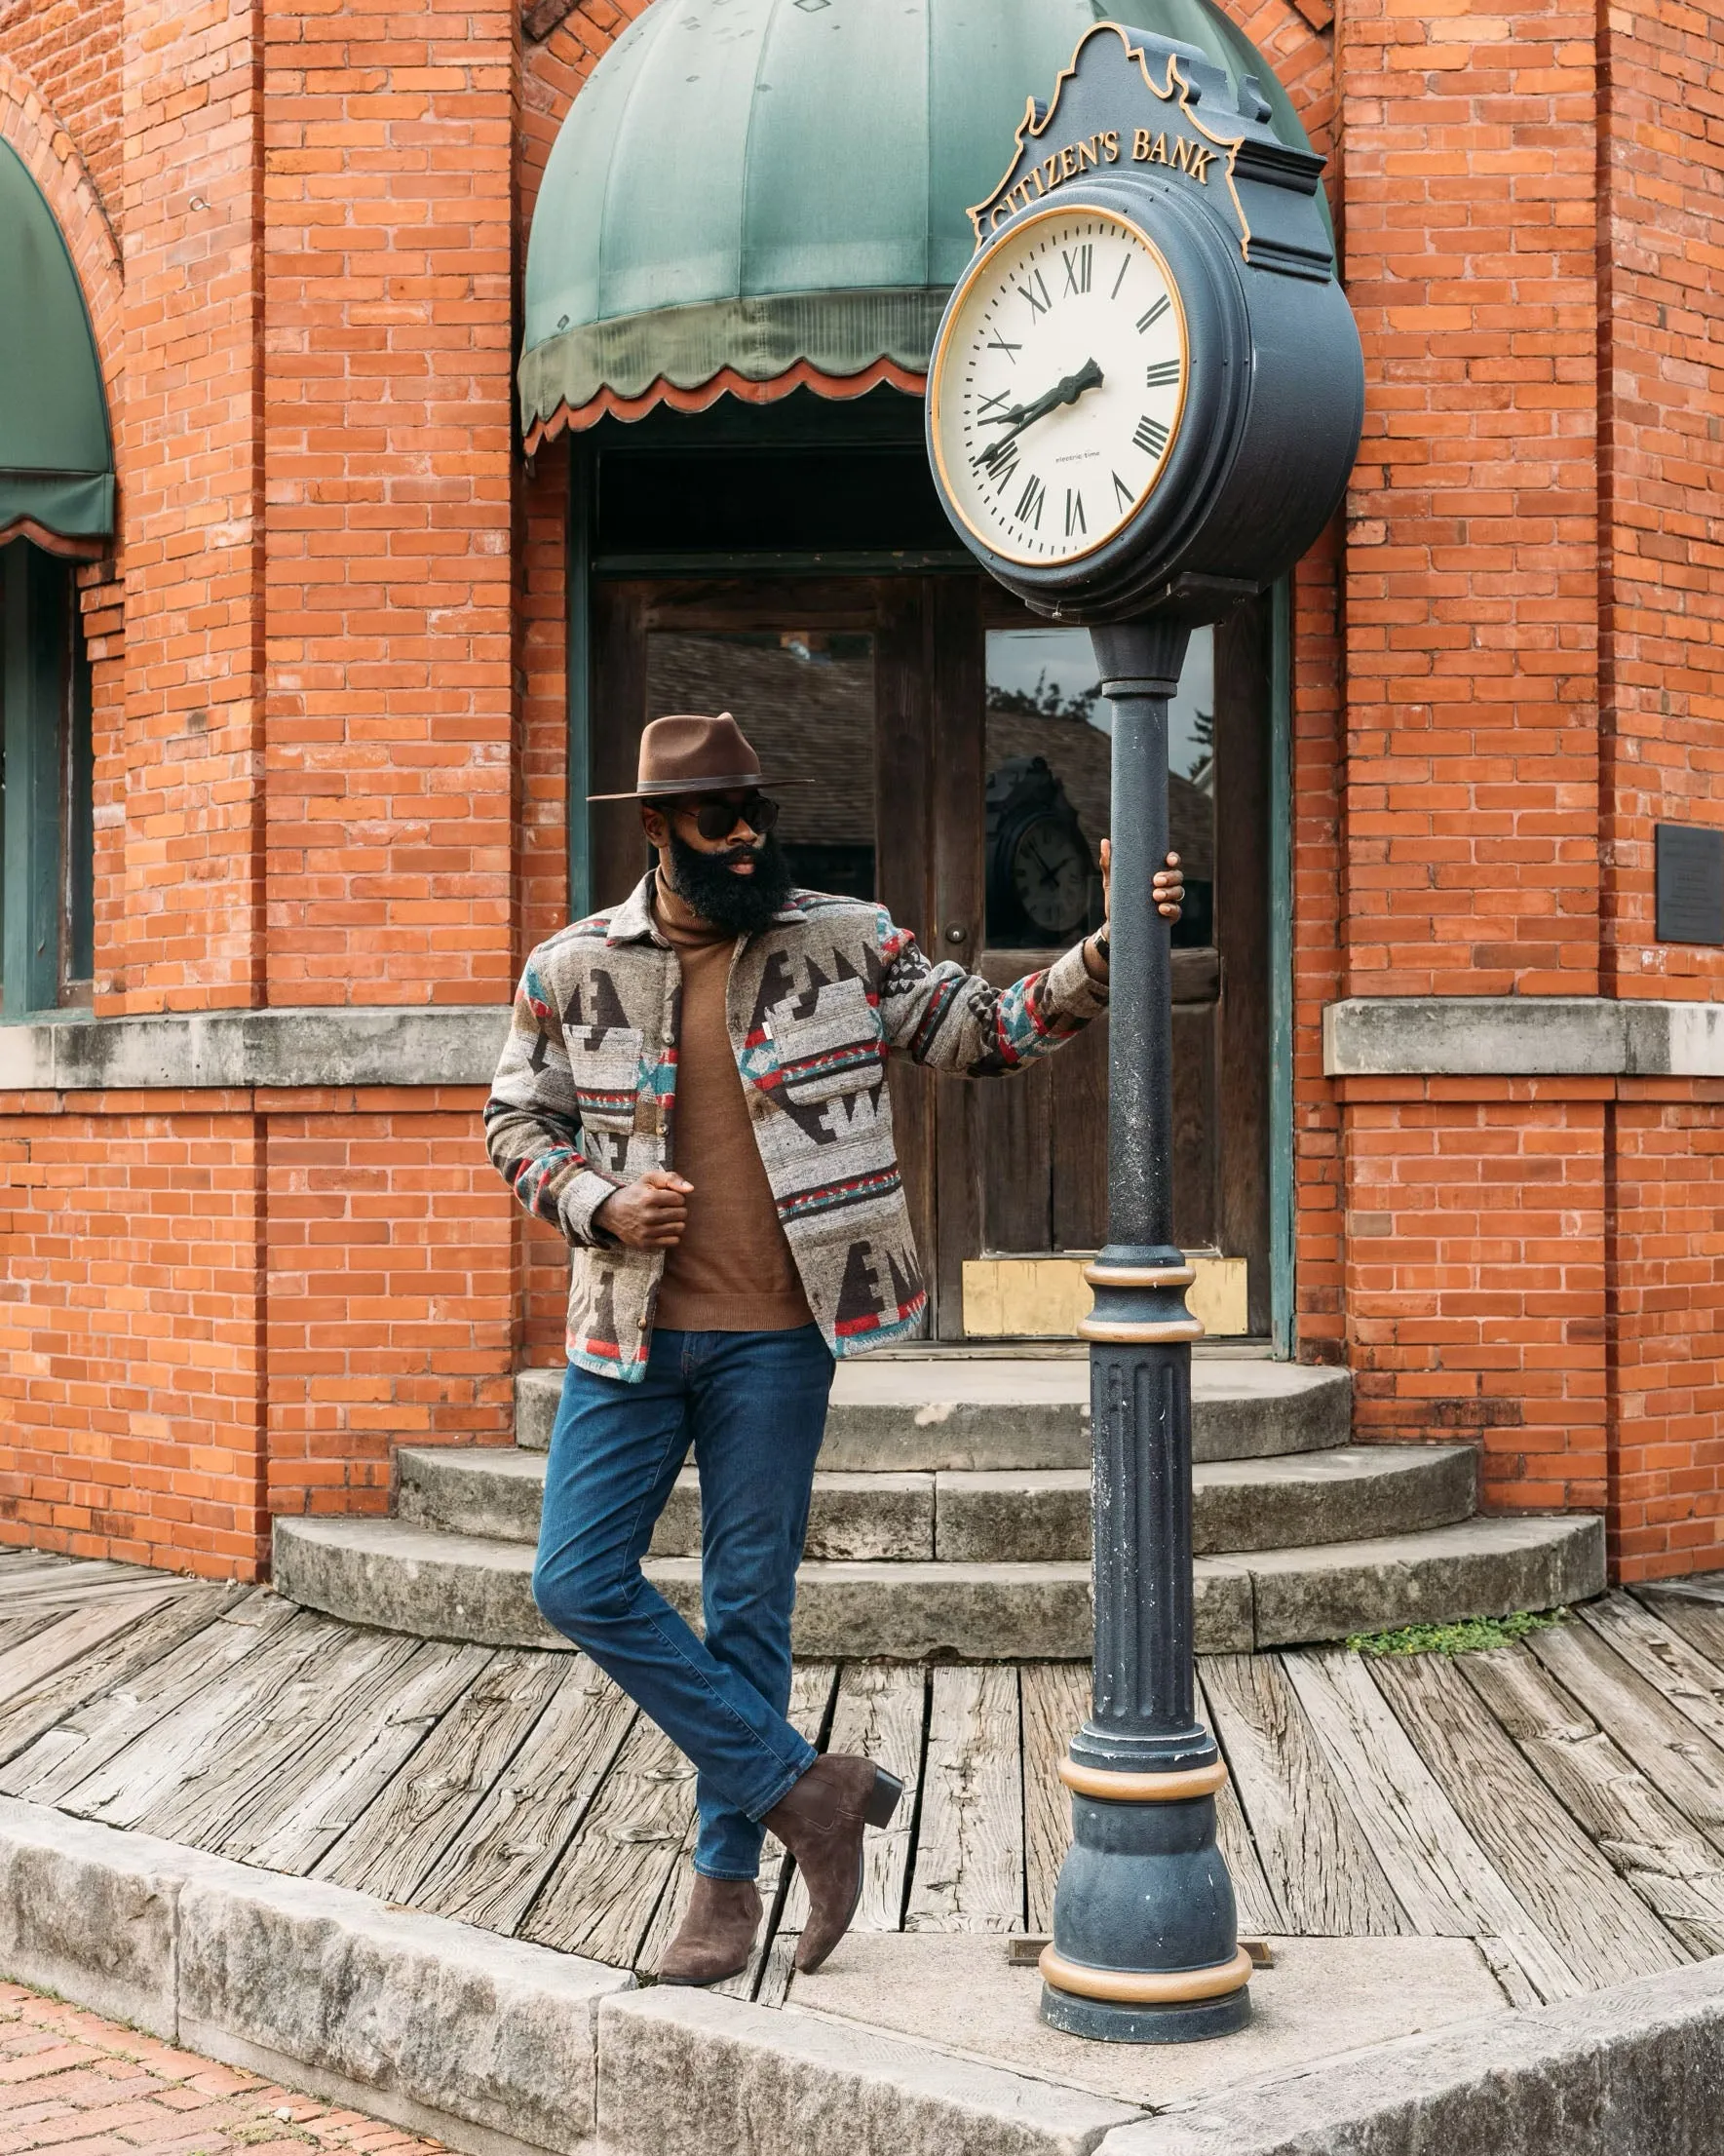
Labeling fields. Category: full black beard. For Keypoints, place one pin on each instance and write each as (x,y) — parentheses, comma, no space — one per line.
(743,906)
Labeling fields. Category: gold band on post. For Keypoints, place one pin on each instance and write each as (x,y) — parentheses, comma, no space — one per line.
(1144,1987)
(1143,1788)
(1128,1334)
(1140,1276)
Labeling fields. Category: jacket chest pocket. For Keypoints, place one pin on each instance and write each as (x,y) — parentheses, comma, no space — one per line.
(833,1049)
(604,1067)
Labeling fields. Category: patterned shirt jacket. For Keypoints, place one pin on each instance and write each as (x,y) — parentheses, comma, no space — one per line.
(585,1097)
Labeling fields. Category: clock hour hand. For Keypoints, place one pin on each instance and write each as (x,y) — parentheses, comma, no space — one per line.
(1067,391)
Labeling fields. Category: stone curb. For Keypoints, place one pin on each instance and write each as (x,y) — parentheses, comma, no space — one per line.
(442,2029)
(686,2073)
(1637,2070)
(501,2049)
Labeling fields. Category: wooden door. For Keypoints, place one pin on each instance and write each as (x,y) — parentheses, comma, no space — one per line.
(901,720)
(830,679)
(1022,759)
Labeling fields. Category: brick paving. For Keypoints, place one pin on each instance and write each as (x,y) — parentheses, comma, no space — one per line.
(78,2085)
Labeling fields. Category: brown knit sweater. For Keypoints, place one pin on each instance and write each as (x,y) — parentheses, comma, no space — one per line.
(733,1271)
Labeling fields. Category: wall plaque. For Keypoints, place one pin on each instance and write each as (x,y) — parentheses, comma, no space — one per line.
(1690,884)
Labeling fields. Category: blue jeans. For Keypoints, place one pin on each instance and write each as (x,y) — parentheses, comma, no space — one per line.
(753,1405)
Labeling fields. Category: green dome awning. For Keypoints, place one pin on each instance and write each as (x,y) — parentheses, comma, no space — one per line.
(757,195)
(57,462)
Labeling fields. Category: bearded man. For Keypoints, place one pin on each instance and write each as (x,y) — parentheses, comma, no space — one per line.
(694,1094)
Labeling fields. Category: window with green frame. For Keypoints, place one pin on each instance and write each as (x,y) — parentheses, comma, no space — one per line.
(46,805)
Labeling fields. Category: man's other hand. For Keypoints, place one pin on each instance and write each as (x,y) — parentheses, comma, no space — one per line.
(648,1215)
(1169,885)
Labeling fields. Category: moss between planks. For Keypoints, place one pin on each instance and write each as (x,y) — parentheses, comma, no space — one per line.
(1468,1636)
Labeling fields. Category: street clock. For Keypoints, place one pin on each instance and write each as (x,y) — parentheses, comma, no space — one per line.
(1144,403)
(1146,390)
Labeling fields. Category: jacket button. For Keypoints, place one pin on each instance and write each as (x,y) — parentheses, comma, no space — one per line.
(642,1323)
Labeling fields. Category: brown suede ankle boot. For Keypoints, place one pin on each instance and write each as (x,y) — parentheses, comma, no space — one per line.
(716,1936)
(819,1821)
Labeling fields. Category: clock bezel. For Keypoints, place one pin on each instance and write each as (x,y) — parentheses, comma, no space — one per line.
(998,243)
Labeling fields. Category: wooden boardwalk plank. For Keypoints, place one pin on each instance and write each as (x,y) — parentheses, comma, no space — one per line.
(318,1799)
(87,1739)
(499,1859)
(1316,1862)
(1700,1620)
(601,1899)
(811,1702)
(1259,1908)
(160,1774)
(1686,1765)
(391,1847)
(1056,1706)
(121,1661)
(1441,1876)
(1600,1926)
(71,1581)
(1676,1873)
(1692,1684)
(65,1639)
(969,1862)
(246,1773)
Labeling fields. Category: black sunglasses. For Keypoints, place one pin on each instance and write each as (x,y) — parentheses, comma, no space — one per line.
(715,818)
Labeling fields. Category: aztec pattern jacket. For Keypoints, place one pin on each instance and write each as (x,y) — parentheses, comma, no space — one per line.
(585,1097)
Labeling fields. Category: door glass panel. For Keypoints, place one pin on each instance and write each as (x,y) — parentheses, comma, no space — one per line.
(805,698)
(1048,762)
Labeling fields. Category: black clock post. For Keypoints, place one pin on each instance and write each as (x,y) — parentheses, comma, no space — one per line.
(1146,154)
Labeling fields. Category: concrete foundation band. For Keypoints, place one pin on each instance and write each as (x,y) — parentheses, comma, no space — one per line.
(1144,1987)
(1176,1787)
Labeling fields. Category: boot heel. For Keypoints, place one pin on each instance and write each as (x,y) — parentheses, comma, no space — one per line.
(882,1799)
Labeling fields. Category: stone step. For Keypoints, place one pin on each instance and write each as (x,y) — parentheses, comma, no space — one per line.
(407,1578)
(991,1516)
(931,1414)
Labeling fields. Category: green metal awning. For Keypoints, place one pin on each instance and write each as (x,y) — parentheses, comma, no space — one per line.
(756,195)
(57,461)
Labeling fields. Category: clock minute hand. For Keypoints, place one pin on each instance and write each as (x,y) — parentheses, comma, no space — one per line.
(1066,392)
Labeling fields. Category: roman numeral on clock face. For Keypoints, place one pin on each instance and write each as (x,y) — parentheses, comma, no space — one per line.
(1074,511)
(1005,464)
(1077,267)
(1151,436)
(1153,315)
(998,343)
(1161,374)
(1038,285)
(1030,507)
(1122,493)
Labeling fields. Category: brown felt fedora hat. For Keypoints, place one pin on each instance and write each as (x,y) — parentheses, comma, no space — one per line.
(690,755)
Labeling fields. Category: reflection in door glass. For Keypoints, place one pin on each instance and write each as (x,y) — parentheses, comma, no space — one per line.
(1050,783)
(805,698)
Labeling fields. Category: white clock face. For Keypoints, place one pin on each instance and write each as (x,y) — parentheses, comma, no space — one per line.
(1060,385)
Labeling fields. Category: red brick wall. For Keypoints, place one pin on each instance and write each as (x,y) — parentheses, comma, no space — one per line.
(1474,1276)
(71,53)
(1662,466)
(1471,583)
(388,438)
(1666,1321)
(390,1314)
(183,929)
(131,1329)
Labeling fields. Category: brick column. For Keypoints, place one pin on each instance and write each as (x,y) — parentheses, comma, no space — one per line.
(1476,1211)
(390,713)
(187,933)
(1662,623)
